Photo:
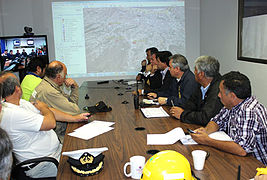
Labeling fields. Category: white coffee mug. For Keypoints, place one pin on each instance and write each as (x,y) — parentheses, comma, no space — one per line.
(199,157)
(137,164)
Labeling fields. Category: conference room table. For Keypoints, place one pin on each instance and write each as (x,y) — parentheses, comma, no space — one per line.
(124,141)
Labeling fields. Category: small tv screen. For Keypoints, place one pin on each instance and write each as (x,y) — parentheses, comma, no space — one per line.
(21,47)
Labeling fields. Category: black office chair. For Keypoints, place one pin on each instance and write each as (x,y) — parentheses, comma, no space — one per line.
(18,171)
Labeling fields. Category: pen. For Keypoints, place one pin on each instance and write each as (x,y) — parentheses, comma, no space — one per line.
(172,103)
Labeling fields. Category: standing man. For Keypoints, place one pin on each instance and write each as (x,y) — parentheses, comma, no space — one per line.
(50,92)
(182,85)
(204,102)
(243,118)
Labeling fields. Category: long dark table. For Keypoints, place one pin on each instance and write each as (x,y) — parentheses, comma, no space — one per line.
(124,141)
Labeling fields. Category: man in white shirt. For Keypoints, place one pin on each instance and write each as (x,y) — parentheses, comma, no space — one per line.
(30,127)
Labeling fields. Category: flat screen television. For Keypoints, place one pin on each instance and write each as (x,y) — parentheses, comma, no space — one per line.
(21,47)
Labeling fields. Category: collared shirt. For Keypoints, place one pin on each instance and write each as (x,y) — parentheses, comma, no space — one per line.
(204,90)
(163,73)
(22,123)
(246,124)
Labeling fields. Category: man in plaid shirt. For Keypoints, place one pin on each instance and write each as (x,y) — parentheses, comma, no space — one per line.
(243,118)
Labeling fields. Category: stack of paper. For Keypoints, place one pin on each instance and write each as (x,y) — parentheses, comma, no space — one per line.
(154,112)
(218,135)
(177,134)
(92,129)
(170,137)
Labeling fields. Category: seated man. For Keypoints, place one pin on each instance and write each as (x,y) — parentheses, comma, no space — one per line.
(182,85)
(162,62)
(50,92)
(243,118)
(153,77)
(5,155)
(204,102)
(36,70)
(145,62)
(30,127)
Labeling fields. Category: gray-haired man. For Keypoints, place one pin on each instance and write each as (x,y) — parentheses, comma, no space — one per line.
(182,85)
(204,102)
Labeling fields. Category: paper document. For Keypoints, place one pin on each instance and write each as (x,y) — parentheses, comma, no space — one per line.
(154,112)
(218,135)
(170,137)
(78,153)
(92,129)
(150,101)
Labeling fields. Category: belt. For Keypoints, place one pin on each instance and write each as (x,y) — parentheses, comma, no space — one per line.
(28,167)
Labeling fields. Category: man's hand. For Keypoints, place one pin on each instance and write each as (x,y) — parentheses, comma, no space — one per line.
(151,95)
(162,100)
(201,136)
(40,105)
(82,117)
(143,63)
(176,112)
(71,83)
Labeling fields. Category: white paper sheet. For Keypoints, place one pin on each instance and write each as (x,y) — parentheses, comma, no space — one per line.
(94,124)
(150,101)
(170,137)
(78,153)
(154,112)
(92,129)
(218,135)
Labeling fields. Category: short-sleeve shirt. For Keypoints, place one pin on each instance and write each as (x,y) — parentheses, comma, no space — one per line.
(23,123)
(246,124)
(28,84)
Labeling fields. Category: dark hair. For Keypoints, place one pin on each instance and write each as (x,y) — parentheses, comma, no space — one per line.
(152,50)
(36,61)
(164,56)
(51,72)
(5,154)
(237,83)
(9,84)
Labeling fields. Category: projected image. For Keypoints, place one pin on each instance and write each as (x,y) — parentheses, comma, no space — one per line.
(119,35)
(109,38)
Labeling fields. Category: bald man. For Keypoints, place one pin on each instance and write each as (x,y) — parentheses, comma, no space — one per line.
(50,92)
(30,127)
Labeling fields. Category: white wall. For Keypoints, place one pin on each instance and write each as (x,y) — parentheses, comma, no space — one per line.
(16,14)
(218,33)
(218,37)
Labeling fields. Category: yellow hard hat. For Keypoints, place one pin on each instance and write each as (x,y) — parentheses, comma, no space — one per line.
(167,165)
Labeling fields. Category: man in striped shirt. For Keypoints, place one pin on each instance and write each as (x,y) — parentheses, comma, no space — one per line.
(243,118)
